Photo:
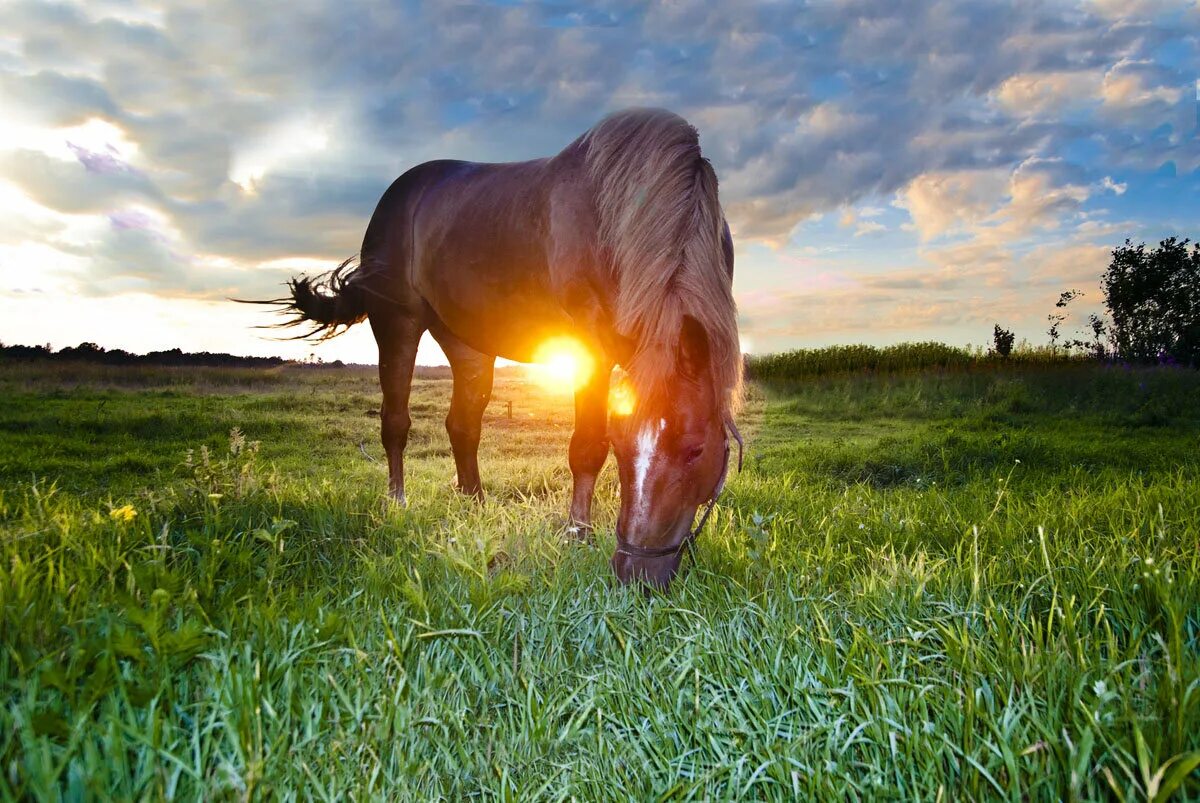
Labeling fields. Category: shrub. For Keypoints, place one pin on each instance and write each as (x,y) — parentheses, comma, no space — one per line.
(1002,341)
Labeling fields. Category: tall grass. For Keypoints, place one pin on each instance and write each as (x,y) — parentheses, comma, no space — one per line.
(900,357)
(955,585)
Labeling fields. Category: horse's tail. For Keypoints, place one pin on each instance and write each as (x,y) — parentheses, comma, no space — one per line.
(330,303)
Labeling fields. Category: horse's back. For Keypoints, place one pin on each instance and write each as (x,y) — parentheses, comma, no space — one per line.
(479,249)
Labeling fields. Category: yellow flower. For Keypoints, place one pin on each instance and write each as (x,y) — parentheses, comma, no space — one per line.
(125,513)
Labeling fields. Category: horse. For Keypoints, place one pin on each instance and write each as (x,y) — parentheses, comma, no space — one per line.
(619,241)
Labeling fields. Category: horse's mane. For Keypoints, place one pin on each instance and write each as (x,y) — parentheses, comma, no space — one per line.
(661,222)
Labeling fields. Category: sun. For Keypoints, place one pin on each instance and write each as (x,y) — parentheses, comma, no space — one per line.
(562,364)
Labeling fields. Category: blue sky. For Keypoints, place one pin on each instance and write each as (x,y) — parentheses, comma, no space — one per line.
(891,170)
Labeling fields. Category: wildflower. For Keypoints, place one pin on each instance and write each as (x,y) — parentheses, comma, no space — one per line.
(124,513)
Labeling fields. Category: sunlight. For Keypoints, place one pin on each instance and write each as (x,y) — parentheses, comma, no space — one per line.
(562,364)
(292,143)
(621,400)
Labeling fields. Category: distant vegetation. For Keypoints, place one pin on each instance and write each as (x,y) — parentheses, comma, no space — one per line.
(900,357)
(92,353)
(1152,302)
(1002,341)
(1152,308)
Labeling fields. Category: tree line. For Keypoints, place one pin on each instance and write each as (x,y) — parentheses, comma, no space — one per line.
(95,354)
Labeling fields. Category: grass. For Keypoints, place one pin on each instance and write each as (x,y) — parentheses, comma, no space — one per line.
(976,584)
(903,357)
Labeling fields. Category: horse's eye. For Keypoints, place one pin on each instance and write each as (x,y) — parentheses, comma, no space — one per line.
(694,453)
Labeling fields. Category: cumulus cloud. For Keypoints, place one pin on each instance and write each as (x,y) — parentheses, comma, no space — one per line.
(1049,94)
(1132,84)
(242,136)
(940,202)
(957,289)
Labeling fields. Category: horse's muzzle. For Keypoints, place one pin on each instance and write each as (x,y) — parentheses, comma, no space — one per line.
(651,572)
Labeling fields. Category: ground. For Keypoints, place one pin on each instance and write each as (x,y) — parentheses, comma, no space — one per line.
(978,583)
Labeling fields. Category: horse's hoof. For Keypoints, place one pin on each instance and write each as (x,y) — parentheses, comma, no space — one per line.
(393,501)
(475,493)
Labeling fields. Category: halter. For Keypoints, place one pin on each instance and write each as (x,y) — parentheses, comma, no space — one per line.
(634,551)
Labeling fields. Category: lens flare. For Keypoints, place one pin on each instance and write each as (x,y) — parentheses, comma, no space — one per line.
(562,364)
(621,399)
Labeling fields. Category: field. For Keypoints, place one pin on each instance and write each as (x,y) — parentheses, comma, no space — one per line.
(980,583)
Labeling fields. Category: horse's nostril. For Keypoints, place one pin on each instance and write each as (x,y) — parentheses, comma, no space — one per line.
(653,573)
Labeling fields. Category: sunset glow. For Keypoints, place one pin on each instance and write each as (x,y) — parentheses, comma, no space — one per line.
(562,364)
(137,198)
(621,400)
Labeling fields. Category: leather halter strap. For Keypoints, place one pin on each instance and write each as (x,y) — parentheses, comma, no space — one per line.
(635,551)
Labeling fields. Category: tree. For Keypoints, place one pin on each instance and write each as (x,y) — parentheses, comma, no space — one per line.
(1056,319)
(1002,340)
(1153,300)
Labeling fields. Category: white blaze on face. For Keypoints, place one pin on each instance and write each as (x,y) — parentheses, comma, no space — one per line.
(647,447)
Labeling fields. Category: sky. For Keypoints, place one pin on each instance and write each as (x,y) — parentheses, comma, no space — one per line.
(891,170)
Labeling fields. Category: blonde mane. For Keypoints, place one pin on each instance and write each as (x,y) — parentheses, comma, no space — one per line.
(661,222)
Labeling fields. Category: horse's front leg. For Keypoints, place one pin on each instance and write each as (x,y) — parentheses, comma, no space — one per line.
(589,448)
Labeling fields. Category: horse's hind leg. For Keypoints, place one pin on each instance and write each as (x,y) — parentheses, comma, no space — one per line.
(398,334)
(473,373)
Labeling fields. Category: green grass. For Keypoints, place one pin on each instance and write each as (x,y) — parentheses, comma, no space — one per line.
(901,357)
(886,603)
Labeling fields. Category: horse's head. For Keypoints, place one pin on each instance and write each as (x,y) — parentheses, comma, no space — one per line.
(672,455)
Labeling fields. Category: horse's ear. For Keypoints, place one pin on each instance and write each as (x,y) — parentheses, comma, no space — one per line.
(693,348)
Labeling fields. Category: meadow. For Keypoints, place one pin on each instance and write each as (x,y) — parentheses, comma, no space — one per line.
(964,582)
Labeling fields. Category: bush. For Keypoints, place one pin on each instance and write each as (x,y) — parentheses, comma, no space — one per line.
(1002,341)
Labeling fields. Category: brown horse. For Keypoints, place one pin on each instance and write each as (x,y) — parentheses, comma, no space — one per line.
(619,242)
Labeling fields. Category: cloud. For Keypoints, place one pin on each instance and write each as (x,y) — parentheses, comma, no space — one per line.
(956,289)
(1140,9)
(860,220)
(940,202)
(74,188)
(996,206)
(1049,94)
(1131,85)
(234,136)
(1041,195)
